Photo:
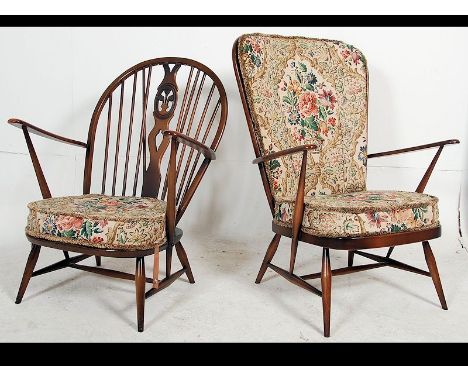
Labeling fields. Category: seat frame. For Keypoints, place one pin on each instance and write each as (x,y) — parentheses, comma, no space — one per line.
(354,245)
(177,201)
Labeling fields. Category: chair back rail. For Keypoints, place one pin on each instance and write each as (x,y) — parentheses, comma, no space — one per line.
(126,149)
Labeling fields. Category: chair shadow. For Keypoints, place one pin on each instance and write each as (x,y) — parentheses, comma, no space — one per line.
(132,306)
(52,287)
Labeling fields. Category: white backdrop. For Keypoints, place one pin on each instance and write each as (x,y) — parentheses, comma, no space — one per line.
(53,78)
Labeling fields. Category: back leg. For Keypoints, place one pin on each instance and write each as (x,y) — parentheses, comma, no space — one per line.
(350,258)
(431,264)
(268,257)
(182,255)
(28,270)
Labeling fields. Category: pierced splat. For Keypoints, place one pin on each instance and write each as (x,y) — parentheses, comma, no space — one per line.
(165,104)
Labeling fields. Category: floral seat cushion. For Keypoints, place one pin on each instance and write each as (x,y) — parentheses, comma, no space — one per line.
(111,222)
(363,213)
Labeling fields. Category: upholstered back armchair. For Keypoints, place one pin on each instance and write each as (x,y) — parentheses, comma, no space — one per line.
(152,136)
(306,104)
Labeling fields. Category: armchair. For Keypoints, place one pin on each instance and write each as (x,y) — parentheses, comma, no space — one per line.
(305,101)
(134,224)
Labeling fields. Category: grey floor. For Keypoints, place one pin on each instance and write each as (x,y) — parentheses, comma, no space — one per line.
(225,305)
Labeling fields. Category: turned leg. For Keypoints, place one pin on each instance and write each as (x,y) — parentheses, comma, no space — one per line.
(140,280)
(268,257)
(182,255)
(326,291)
(156,268)
(28,270)
(98,260)
(350,258)
(168,260)
(431,264)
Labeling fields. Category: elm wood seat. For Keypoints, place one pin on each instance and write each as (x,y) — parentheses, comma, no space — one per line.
(132,205)
(306,103)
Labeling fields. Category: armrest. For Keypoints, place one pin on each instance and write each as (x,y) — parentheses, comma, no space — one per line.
(186,140)
(414,148)
(283,153)
(43,133)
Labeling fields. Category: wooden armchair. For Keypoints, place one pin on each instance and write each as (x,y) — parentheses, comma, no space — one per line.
(305,101)
(124,224)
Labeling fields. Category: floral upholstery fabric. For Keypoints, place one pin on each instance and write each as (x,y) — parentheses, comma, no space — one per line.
(362,213)
(303,90)
(111,222)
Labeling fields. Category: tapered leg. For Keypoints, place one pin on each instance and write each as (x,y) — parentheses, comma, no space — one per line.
(390,250)
(292,259)
(268,257)
(28,270)
(326,291)
(98,260)
(140,280)
(431,264)
(168,260)
(156,268)
(182,255)
(350,258)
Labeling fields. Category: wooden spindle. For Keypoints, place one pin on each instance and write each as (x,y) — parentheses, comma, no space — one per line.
(106,152)
(130,129)
(142,144)
(117,142)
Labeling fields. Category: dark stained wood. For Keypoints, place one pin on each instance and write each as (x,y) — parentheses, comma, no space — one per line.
(204,108)
(390,251)
(422,184)
(45,191)
(187,141)
(352,245)
(393,263)
(432,265)
(130,130)
(326,280)
(268,257)
(28,271)
(107,272)
(345,271)
(414,148)
(182,255)
(296,280)
(140,280)
(350,258)
(365,242)
(59,265)
(282,153)
(106,150)
(298,212)
(44,133)
(164,283)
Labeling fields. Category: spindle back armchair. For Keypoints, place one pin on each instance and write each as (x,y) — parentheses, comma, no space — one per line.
(135,187)
(306,101)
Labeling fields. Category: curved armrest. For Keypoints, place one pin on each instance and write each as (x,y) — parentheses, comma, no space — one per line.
(414,148)
(43,133)
(186,140)
(283,153)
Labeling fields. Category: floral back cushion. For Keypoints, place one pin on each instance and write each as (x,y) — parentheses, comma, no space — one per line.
(304,90)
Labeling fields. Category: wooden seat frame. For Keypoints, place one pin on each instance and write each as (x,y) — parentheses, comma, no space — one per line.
(354,245)
(165,104)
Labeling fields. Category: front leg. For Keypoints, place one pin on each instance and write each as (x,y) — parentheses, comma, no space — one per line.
(28,271)
(140,280)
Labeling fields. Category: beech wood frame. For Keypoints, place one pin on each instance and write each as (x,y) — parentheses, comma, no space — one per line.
(176,203)
(354,245)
